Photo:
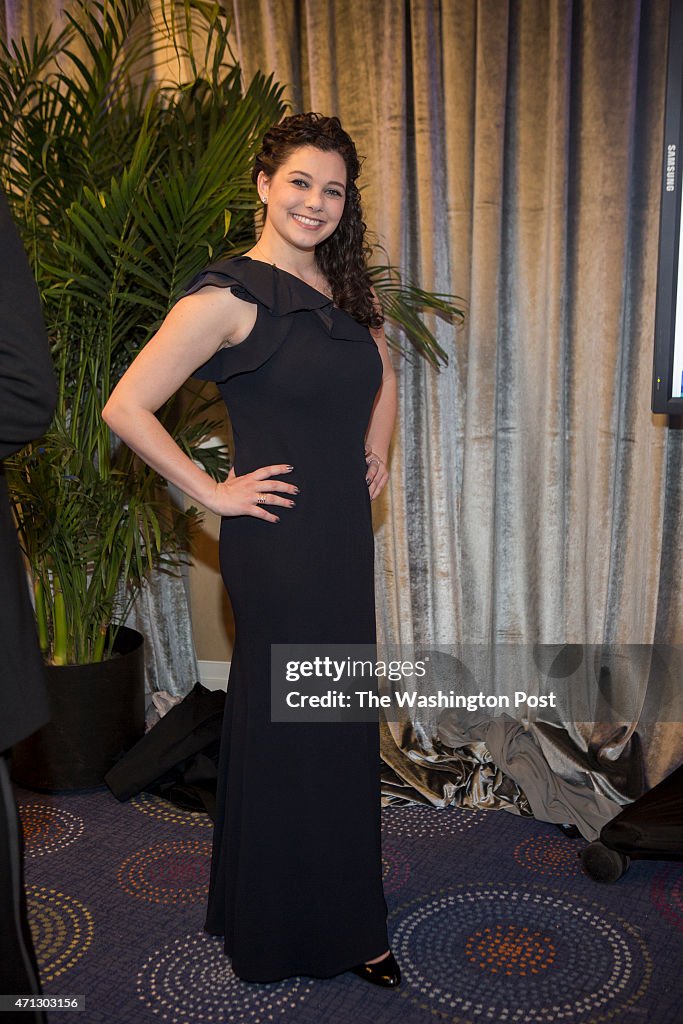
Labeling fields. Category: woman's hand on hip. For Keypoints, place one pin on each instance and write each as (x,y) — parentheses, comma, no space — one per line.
(377,474)
(248,495)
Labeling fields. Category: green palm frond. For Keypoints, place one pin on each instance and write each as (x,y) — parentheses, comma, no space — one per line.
(122,189)
(403,303)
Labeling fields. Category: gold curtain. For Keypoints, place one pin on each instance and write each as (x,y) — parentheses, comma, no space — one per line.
(513,157)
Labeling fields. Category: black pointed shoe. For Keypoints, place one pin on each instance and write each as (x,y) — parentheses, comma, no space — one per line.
(385,972)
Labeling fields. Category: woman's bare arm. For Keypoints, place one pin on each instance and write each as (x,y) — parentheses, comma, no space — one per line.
(382,420)
(196,327)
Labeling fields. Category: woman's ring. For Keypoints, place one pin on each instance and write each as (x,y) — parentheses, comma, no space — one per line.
(261,500)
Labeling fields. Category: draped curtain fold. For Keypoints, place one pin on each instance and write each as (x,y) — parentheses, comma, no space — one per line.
(512,156)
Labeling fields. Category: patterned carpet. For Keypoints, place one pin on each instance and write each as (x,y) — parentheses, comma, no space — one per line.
(491,920)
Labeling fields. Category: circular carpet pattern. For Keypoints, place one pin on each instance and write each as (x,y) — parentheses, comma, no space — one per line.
(48,828)
(175,872)
(535,955)
(548,855)
(163,810)
(62,929)
(667,893)
(190,981)
(420,820)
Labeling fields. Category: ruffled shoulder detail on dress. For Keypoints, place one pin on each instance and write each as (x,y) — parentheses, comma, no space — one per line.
(279,295)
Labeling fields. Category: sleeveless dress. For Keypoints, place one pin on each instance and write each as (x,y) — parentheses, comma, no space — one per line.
(296,873)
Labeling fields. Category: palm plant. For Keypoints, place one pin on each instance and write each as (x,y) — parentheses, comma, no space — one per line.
(122,189)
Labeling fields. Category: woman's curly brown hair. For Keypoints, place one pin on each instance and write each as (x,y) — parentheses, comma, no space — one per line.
(343,256)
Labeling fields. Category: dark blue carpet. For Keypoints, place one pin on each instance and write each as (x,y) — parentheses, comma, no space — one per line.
(491,920)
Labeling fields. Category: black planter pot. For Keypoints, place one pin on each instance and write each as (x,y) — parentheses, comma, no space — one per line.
(97,713)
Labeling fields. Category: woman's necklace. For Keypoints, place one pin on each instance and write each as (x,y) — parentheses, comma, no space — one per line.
(318,276)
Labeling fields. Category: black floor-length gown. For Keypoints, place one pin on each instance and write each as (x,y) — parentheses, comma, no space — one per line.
(296,878)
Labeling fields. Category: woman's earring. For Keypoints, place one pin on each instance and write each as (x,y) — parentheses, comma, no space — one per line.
(264,198)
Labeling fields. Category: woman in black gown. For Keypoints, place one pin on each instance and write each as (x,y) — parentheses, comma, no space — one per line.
(291,333)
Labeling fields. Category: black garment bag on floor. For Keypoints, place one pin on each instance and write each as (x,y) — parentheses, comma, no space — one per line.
(178,758)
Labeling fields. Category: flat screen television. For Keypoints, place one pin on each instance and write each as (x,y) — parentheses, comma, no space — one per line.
(667,377)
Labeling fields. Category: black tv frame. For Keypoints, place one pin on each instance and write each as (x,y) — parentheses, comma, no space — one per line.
(670,225)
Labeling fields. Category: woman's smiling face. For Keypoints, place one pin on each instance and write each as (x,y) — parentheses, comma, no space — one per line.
(306,196)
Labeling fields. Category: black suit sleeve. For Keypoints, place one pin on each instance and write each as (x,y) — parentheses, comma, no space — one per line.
(27,400)
(28,391)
